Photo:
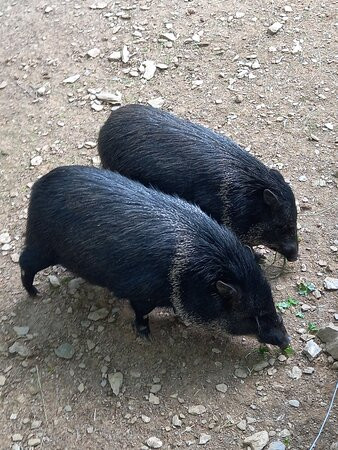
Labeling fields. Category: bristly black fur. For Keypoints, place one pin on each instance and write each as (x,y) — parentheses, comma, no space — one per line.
(149,247)
(179,157)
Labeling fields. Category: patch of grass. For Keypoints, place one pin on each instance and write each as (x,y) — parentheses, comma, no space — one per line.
(312,328)
(306,288)
(288,303)
(300,315)
(288,351)
(263,350)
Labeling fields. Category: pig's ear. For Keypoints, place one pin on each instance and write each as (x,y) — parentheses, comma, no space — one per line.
(270,198)
(227,292)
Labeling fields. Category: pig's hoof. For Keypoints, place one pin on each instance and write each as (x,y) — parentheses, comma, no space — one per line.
(32,291)
(142,331)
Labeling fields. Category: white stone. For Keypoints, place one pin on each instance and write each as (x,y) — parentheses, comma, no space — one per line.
(115,381)
(109,97)
(176,421)
(204,438)
(154,442)
(312,350)
(149,69)
(156,102)
(98,5)
(275,27)
(36,160)
(294,403)
(258,440)
(93,52)
(221,388)
(331,284)
(115,56)
(98,314)
(54,281)
(5,238)
(196,410)
(125,54)
(71,79)
(169,37)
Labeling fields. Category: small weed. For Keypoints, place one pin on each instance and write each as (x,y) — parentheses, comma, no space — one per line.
(300,315)
(312,328)
(288,351)
(263,350)
(288,303)
(306,288)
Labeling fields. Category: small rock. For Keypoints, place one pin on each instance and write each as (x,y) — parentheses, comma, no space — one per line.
(36,160)
(54,281)
(36,424)
(242,425)
(125,54)
(308,370)
(294,403)
(3,84)
(114,99)
(115,381)
(74,285)
(276,445)
(98,314)
(145,419)
(328,333)
(284,433)
(90,430)
(302,178)
(329,126)
(156,102)
(15,257)
(115,56)
(21,331)
(168,36)
(288,8)
(204,438)
(297,48)
(176,421)
(71,79)
(260,366)
(34,442)
(239,15)
(65,351)
(149,69)
(81,388)
(2,380)
(17,437)
(295,373)
(275,27)
(93,52)
(241,373)
(196,410)
(48,9)
(68,408)
(332,348)
(20,349)
(258,440)
(154,442)
(331,284)
(221,388)
(155,388)
(5,238)
(255,65)
(153,399)
(98,5)
(312,350)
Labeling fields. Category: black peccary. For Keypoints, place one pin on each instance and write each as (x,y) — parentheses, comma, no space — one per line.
(149,247)
(179,157)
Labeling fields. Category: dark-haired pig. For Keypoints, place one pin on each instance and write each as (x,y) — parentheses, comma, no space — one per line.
(148,247)
(179,157)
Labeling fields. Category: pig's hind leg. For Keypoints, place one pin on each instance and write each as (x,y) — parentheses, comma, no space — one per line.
(31,262)
(141,323)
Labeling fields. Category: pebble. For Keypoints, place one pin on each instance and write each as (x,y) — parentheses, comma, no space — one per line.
(241,372)
(71,79)
(125,54)
(154,442)
(34,442)
(15,257)
(96,106)
(65,351)
(48,9)
(260,366)
(153,399)
(20,349)
(21,331)
(145,419)
(109,97)
(242,425)
(17,437)
(36,424)
(155,388)
(276,445)
(74,285)
(204,438)
(176,421)
(3,84)
(149,69)
(312,350)
(2,380)
(98,314)
(36,160)
(98,5)
(275,27)
(156,102)
(308,370)
(90,430)
(221,388)
(331,284)
(93,52)
(196,410)
(54,281)
(302,178)
(115,56)
(295,373)
(168,36)
(115,381)
(5,238)
(294,403)
(258,440)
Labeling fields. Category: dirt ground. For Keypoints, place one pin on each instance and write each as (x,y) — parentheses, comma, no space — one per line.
(272,93)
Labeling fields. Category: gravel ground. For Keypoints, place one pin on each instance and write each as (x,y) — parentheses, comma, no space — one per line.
(220,64)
